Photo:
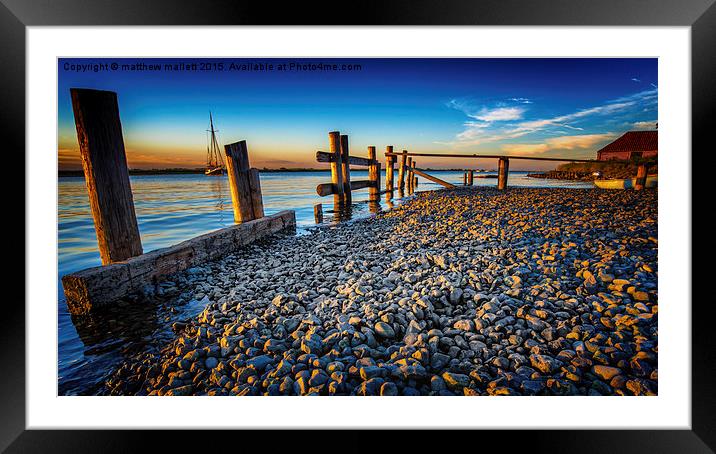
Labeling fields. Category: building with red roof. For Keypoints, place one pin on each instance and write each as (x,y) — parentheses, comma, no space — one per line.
(632,144)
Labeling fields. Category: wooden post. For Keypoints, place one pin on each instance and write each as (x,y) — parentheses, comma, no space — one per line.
(237,166)
(99,133)
(464,178)
(415,183)
(346,168)
(334,140)
(318,213)
(389,164)
(409,175)
(257,200)
(401,170)
(503,168)
(470,177)
(640,182)
(373,175)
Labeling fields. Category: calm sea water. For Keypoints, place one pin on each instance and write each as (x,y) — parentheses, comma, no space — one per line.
(171,209)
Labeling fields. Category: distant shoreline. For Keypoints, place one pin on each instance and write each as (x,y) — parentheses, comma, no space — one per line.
(80,173)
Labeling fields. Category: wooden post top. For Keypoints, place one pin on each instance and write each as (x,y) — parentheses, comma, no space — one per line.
(240,153)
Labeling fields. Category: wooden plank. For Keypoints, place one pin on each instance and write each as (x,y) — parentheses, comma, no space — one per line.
(237,167)
(325,189)
(104,162)
(322,156)
(432,178)
(503,168)
(491,156)
(346,168)
(361,184)
(92,288)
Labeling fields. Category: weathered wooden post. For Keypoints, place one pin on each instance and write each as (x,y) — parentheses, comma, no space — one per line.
(409,175)
(389,164)
(334,140)
(464,178)
(640,182)
(503,167)
(104,162)
(470,177)
(346,168)
(257,199)
(318,213)
(415,183)
(240,183)
(401,170)
(373,175)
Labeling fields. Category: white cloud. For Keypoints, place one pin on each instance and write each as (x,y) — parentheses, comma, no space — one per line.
(583,141)
(485,130)
(499,114)
(634,79)
(521,100)
(644,125)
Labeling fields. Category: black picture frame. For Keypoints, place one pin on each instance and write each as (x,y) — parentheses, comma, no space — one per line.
(700,15)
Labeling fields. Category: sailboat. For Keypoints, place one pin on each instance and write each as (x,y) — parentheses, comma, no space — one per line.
(214,161)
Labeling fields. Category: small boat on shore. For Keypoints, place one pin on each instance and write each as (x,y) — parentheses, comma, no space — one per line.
(625,183)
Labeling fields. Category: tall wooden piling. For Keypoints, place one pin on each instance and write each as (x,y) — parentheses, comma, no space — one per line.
(464,178)
(257,200)
(470,177)
(503,168)
(389,164)
(237,166)
(104,162)
(401,170)
(346,169)
(640,182)
(318,213)
(373,175)
(334,141)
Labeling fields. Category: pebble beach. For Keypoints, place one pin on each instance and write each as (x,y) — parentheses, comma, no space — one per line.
(468,291)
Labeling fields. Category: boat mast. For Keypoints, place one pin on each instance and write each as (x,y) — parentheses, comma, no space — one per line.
(214,158)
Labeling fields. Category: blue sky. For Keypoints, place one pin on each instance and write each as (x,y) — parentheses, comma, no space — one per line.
(540,107)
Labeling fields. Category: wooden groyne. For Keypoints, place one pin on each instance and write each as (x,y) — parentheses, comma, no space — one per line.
(125,268)
(91,288)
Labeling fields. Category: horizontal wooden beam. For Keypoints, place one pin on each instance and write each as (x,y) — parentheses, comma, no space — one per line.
(492,156)
(322,156)
(94,287)
(361,184)
(325,189)
(422,173)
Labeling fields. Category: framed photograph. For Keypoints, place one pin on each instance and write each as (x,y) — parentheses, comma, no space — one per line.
(423,217)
